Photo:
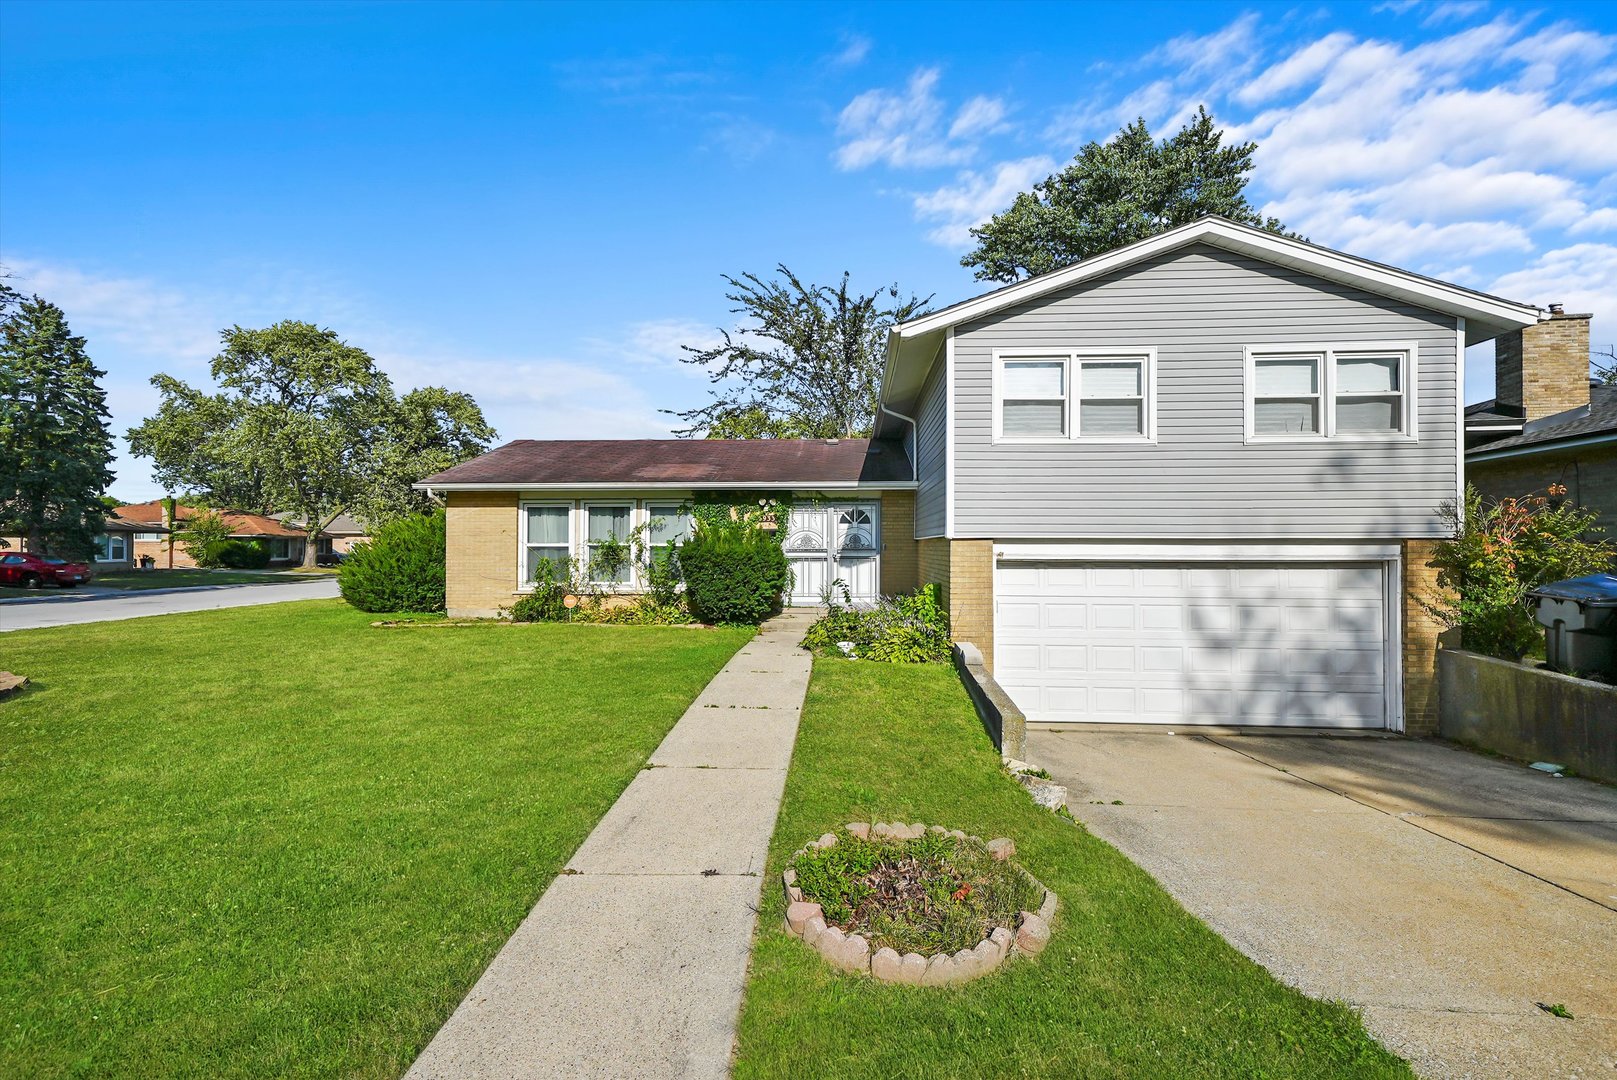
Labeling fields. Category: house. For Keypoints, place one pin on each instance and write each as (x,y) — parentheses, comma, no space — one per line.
(156,537)
(1194,480)
(114,546)
(338,537)
(1548,423)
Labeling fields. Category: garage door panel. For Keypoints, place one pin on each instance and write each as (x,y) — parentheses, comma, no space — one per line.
(1238,644)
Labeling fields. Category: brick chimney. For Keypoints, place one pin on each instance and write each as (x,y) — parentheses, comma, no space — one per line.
(1544,369)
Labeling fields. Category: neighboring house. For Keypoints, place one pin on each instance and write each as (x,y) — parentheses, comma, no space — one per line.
(1548,423)
(156,536)
(114,546)
(339,537)
(1194,480)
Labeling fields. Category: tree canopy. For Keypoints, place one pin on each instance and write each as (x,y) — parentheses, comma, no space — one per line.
(1115,193)
(55,445)
(305,422)
(806,363)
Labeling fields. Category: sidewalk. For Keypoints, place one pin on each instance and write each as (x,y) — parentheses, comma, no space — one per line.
(633,961)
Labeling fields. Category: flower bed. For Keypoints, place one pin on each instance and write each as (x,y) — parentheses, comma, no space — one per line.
(916,905)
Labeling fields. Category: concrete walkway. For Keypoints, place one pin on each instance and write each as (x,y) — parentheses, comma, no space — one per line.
(633,961)
(105,605)
(1439,892)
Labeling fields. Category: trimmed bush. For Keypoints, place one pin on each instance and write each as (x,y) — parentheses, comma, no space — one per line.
(235,555)
(733,574)
(402,569)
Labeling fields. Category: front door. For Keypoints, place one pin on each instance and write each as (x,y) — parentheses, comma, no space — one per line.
(830,544)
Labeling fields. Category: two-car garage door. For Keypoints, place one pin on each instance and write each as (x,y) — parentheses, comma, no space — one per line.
(1285,644)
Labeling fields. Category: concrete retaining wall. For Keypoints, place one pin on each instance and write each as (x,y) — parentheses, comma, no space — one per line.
(1529,713)
(1005,723)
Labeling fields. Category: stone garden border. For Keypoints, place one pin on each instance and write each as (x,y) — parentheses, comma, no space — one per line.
(851,952)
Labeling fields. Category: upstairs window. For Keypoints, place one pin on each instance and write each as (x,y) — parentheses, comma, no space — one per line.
(1309,394)
(1074,396)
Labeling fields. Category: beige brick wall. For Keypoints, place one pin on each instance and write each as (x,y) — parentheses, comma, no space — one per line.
(480,558)
(1544,369)
(1420,634)
(932,564)
(971,595)
(1588,473)
(899,558)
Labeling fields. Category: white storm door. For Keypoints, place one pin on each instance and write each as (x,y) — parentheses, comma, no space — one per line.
(857,549)
(808,548)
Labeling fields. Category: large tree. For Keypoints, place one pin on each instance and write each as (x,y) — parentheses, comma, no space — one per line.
(55,446)
(806,362)
(305,422)
(1114,193)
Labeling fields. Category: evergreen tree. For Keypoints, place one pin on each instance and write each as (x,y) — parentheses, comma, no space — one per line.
(55,446)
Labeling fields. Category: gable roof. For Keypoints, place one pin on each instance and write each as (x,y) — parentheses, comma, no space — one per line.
(149,515)
(1596,424)
(911,346)
(681,463)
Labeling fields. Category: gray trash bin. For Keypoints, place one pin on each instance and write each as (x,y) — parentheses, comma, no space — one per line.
(1579,617)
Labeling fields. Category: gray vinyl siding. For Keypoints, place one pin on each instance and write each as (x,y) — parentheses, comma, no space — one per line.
(931,454)
(1200,308)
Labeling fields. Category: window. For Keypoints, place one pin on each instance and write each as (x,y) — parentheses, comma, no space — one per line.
(668,524)
(1111,398)
(546,538)
(1034,399)
(1078,395)
(148,536)
(603,523)
(111,547)
(281,548)
(1287,398)
(1325,393)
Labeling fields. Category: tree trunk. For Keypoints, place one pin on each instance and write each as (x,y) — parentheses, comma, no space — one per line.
(311,549)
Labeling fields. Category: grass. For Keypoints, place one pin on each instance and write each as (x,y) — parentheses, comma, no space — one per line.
(1130,985)
(274,841)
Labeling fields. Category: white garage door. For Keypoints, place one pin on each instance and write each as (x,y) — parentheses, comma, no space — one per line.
(1297,645)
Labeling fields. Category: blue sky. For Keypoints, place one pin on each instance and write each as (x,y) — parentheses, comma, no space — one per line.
(535,202)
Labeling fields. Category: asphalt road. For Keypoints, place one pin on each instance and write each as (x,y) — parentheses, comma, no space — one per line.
(67,608)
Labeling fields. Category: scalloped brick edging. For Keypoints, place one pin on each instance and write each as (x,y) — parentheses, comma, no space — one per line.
(851,952)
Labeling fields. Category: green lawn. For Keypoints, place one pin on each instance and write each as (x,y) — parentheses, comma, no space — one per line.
(1130,986)
(275,841)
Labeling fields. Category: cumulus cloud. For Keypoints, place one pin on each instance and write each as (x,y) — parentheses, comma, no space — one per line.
(974,197)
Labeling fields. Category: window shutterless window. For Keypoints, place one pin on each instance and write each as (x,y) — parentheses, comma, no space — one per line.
(1111,398)
(668,524)
(148,536)
(111,547)
(1033,398)
(1325,393)
(602,523)
(1076,395)
(546,538)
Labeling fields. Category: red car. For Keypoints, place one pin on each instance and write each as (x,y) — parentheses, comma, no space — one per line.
(31,571)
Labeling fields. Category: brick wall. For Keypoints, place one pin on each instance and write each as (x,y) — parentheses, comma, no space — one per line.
(1589,474)
(158,550)
(971,595)
(1544,369)
(480,559)
(1420,634)
(900,562)
(932,565)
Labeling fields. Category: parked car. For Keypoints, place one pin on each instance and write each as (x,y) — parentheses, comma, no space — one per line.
(331,558)
(31,571)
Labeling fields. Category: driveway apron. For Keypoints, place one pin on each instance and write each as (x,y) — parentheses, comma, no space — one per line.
(1441,893)
(633,961)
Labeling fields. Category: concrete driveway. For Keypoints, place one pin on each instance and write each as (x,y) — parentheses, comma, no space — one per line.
(1440,892)
(68,608)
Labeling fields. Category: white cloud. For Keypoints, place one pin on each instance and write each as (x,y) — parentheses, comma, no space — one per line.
(134,313)
(855,47)
(974,197)
(1304,65)
(657,343)
(1581,276)
(905,130)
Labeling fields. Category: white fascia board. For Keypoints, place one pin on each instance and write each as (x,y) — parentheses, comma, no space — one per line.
(1260,551)
(686,485)
(1322,262)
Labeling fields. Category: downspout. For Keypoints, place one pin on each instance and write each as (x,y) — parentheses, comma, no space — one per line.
(910,420)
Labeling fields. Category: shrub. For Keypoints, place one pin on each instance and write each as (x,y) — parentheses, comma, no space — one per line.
(909,629)
(402,569)
(733,573)
(202,535)
(1501,551)
(556,579)
(235,554)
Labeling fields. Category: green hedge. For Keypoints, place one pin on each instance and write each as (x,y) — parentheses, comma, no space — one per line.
(402,569)
(733,574)
(235,554)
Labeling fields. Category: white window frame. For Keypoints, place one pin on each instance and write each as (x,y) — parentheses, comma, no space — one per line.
(1408,374)
(524,585)
(582,539)
(646,515)
(1073,362)
(123,543)
(148,537)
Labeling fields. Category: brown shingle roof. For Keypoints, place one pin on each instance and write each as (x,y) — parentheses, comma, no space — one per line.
(691,463)
(240,522)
